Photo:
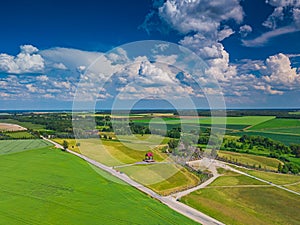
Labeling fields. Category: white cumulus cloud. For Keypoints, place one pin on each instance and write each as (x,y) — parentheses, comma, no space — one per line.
(27,61)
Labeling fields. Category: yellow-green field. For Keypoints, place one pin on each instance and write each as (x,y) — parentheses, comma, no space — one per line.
(293,186)
(162,178)
(229,178)
(239,200)
(113,152)
(276,178)
(247,159)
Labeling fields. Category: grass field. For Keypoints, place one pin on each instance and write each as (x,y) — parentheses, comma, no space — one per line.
(277,123)
(240,200)
(229,178)
(162,178)
(20,135)
(48,186)
(247,205)
(113,153)
(284,138)
(13,146)
(247,159)
(244,120)
(276,178)
(294,187)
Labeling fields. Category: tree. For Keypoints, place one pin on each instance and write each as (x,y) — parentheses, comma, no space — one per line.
(295,150)
(65,145)
(279,167)
(173,143)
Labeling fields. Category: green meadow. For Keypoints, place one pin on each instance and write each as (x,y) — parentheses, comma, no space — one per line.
(239,200)
(13,146)
(49,186)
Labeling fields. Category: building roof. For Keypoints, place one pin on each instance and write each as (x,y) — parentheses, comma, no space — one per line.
(149,154)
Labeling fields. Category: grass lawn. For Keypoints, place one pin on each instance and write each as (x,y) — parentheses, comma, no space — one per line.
(162,178)
(13,146)
(247,159)
(48,186)
(250,205)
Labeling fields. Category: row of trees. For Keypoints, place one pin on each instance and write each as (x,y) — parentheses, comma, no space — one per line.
(273,146)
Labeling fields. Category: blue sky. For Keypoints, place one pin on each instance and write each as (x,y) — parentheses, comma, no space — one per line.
(250,47)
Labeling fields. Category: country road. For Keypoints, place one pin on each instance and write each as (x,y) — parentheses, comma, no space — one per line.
(167,200)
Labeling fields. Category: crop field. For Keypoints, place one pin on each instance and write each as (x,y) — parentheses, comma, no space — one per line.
(284,138)
(244,120)
(113,152)
(13,146)
(276,178)
(239,200)
(247,205)
(277,123)
(48,186)
(162,178)
(247,159)
(230,178)
(20,135)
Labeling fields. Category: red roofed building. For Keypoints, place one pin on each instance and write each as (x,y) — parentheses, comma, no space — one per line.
(149,157)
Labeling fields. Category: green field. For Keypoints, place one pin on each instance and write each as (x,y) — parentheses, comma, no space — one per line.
(243,120)
(247,159)
(13,146)
(276,178)
(113,152)
(277,123)
(162,178)
(294,186)
(48,186)
(229,178)
(19,135)
(247,205)
(240,200)
(284,138)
